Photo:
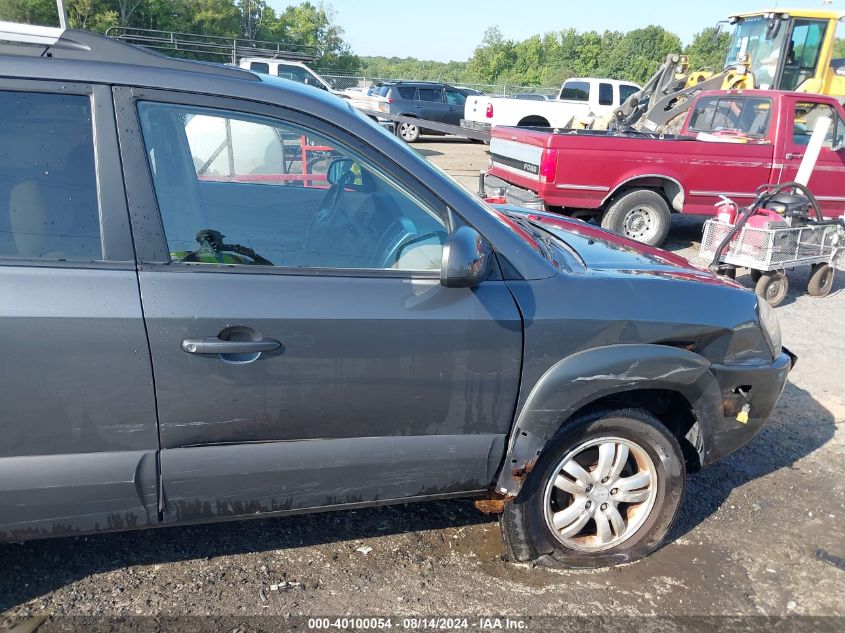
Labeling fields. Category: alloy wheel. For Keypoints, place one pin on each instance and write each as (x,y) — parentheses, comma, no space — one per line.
(600,494)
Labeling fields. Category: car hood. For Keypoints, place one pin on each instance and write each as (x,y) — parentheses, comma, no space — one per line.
(602,250)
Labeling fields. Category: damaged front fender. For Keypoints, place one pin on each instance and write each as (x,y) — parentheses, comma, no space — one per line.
(590,375)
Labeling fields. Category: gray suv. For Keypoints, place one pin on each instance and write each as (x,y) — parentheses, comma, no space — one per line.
(432,101)
(227,295)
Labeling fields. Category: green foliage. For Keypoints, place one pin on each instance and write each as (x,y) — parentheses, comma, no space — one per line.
(29,11)
(839,48)
(708,51)
(304,23)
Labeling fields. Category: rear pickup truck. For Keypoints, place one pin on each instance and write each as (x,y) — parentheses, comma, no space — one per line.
(731,143)
(578,98)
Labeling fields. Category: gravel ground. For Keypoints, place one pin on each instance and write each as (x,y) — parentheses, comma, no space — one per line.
(760,533)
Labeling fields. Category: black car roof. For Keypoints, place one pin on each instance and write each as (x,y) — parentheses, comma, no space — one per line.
(79,56)
(82,45)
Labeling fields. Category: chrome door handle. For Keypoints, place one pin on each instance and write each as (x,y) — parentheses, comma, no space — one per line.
(790,156)
(214,345)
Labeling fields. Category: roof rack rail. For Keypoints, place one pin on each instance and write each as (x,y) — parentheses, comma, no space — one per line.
(213,47)
(57,43)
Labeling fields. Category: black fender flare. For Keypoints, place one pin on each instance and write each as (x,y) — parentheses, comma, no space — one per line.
(587,376)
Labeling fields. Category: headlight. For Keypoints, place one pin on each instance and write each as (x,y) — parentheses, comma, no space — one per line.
(771,326)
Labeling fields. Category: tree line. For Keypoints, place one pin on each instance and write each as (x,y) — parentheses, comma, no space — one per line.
(303,24)
(540,60)
(549,59)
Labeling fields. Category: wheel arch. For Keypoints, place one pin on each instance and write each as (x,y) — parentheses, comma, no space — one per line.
(672,383)
(534,120)
(668,186)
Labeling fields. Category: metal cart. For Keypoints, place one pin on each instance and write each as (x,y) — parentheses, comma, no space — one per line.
(768,252)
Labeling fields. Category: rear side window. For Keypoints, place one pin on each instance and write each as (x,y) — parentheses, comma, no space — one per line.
(406,92)
(806,115)
(605,94)
(575,91)
(748,115)
(260,67)
(430,94)
(48,187)
(625,91)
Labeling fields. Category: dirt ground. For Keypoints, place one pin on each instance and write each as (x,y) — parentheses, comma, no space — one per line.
(761,533)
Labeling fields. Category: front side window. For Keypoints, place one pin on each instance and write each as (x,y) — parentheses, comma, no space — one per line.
(250,191)
(575,91)
(48,184)
(299,75)
(746,115)
(605,94)
(625,91)
(455,98)
(802,56)
(806,116)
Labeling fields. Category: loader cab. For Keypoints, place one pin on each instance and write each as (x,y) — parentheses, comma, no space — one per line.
(787,51)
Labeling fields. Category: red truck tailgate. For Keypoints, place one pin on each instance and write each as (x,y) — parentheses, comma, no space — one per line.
(582,169)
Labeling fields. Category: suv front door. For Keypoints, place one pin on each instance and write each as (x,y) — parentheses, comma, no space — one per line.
(78,424)
(374,383)
(455,104)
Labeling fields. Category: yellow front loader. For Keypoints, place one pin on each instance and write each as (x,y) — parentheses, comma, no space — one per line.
(773,50)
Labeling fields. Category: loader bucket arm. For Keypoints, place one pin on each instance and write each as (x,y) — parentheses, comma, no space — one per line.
(662,83)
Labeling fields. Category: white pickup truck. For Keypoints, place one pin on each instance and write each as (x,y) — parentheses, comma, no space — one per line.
(578,97)
(287,69)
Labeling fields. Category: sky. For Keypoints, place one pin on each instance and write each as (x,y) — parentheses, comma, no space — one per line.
(447,30)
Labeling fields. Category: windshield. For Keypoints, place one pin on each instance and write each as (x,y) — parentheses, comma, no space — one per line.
(750,38)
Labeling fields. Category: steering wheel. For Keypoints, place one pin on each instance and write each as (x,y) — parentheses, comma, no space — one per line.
(330,204)
(211,240)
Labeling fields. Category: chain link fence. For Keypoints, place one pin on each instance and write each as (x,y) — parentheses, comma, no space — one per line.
(344,81)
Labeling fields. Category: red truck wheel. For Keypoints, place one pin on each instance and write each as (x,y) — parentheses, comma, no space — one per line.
(641,215)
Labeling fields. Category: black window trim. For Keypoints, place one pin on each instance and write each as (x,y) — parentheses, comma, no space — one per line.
(150,242)
(115,233)
(604,85)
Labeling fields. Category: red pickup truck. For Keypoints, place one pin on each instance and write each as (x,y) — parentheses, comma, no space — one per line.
(731,143)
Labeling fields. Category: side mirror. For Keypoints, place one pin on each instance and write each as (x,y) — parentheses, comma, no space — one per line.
(467,258)
(338,168)
(720,28)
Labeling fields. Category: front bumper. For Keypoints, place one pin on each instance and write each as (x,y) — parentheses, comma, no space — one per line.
(493,187)
(743,390)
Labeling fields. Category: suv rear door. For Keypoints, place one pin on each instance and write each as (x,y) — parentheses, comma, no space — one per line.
(377,383)
(78,423)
